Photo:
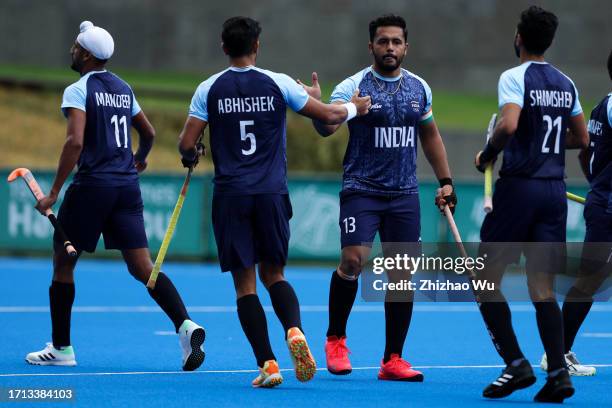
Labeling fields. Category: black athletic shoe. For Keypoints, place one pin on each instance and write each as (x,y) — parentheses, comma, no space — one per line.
(510,380)
(556,389)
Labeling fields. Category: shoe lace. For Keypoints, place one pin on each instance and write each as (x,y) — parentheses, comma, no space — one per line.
(572,358)
(338,349)
(399,363)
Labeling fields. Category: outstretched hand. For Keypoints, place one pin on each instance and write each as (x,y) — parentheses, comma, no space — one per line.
(315,89)
(363,103)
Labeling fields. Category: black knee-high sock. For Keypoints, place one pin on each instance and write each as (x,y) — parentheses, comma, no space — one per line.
(61,298)
(286,305)
(255,326)
(166,296)
(498,320)
(550,325)
(397,321)
(342,294)
(575,309)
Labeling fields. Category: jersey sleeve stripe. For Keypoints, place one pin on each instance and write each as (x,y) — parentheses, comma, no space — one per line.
(427,116)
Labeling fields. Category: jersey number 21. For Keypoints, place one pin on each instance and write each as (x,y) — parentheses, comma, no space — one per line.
(556,123)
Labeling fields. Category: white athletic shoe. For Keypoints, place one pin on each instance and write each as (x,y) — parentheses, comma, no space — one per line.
(191,338)
(573,365)
(52,356)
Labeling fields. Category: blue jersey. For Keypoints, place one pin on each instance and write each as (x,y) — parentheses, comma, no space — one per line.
(382,149)
(246,112)
(109,105)
(548,98)
(600,152)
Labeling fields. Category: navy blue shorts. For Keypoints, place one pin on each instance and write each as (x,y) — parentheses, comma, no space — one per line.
(526,210)
(396,217)
(250,229)
(595,256)
(598,222)
(114,212)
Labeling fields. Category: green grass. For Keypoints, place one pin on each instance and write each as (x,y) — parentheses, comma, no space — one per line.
(180,82)
(453,111)
(33,129)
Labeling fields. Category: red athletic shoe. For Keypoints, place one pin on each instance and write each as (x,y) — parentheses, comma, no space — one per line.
(398,369)
(336,354)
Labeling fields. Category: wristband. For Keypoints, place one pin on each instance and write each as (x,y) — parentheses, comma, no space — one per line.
(489,153)
(351,111)
(446,182)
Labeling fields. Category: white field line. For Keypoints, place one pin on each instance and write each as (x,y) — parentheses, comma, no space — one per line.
(447,308)
(430,367)
(597,335)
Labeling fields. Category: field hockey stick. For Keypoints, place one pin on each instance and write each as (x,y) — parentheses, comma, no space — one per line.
(488,174)
(575,198)
(169,232)
(471,273)
(34,188)
(455,231)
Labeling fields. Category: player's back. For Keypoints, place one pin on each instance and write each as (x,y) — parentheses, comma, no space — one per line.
(600,151)
(548,99)
(246,111)
(109,104)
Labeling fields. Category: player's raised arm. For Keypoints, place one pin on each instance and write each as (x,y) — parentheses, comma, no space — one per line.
(314,91)
(336,114)
(146,135)
(322,123)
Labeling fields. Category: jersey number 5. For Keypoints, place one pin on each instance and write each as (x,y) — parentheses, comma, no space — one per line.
(550,124)
(123,122)
(244,135)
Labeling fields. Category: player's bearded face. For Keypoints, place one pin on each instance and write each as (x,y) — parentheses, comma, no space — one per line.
(389,48)
(388,62)
(77,58)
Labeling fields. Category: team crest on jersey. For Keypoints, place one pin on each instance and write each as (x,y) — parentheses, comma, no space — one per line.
(415,106)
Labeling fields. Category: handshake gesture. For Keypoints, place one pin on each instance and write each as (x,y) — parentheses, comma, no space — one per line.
(362,103)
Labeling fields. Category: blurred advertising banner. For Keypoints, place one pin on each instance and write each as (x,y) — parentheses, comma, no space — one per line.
(315,230)
(22,228)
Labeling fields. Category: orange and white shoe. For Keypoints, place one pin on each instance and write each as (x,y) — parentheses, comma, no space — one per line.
(336,354)
(304,363)
(269,375)
(398,369)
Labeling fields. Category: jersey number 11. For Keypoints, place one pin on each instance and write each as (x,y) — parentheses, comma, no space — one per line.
(123,122)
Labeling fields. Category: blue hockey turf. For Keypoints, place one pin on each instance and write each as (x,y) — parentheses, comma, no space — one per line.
(128,354)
